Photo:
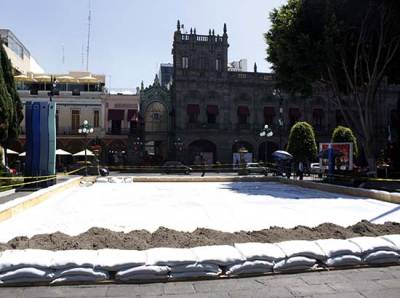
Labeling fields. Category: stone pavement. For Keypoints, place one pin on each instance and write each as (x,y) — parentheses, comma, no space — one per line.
(367,282)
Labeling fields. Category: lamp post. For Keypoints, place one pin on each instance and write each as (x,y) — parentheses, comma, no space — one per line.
(267,133)
(85,129)
(277,92)
(178,147)
(53,87)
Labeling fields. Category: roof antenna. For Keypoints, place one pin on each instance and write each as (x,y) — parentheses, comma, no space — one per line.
(88,37)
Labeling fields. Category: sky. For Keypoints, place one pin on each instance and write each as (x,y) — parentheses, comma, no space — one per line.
(130,38)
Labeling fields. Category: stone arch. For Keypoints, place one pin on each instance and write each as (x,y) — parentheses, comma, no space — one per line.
(156,117)
(204,148)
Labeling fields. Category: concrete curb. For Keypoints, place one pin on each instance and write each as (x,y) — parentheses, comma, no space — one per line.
(16,206)
(205,179)
(7,193)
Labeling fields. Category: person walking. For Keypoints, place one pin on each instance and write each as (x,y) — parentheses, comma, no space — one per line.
(203,166)
(301,170)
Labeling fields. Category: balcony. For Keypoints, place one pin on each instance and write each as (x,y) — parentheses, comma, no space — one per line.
(123,131)
(202,126)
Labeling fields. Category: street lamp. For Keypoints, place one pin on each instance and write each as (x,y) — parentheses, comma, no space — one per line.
(178,146)
(267,133)
(277,92)
(85,129)
(53,87)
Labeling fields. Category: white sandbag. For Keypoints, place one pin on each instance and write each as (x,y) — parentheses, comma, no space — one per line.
(382,257)
(184,275)
(295,264)
(81,271)
(302,248)
(195,267)
(338,247)
(79,278)
(74,258)
(138,272)
(343,261)
(248,267)
(395,239)
(170,256)
(372,244)
(14,259)
(218,254)
(118,259)
(260,251)
(26,273)
(102,180)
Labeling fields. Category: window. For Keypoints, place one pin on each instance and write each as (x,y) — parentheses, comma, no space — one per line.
(294,116)
(96,119)
(212,112)
(243,114)
(218,65)
(269,115)
(185,62)
(75,120)
(193,111)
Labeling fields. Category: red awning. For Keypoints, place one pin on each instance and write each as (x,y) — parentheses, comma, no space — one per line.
(294,112)
(193,109)
(132,115)
(318,113)
(243,110)
(269,111)
(212,109)
(116,115)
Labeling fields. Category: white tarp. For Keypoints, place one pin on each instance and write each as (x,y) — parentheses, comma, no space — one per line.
(63,259)
(218,254)
(372,244)
(302,248)
(343,261)
(260,251)
(118,259)
(395,239)
(338,247)
(249,267)
(15,259)
(170,256)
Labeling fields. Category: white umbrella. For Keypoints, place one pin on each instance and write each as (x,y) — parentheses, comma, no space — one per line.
(12,152)
(82,153)
(22,154)
(63,152)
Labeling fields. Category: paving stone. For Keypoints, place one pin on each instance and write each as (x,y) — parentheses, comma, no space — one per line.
(356,286)
(65,291)
(10,292)
(325,278)
(340,295)
(263,292)
(226,285)
(304,290)
(282,282)
(368,275)
(392,293)
(179,288)
(135,290)
(389,283)
(196,295)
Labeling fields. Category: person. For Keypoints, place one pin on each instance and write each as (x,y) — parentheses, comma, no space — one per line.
(301,170)
(203,166)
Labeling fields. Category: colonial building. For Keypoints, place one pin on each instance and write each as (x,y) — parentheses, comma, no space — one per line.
(216,111)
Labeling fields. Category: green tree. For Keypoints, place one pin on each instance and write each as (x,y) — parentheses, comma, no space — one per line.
(348,46)
(343,134)
(16,114)
(5,107)
(301,142)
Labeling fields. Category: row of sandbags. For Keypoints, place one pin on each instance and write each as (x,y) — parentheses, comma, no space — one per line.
(54,267)
(114,179)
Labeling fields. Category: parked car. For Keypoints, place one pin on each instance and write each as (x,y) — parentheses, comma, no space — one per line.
(176,167)
(256,168)
(315,168)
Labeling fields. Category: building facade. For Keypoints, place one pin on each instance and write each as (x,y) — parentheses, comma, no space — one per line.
(216,111)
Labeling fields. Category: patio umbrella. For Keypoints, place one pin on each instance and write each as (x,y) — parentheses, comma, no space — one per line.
(82,153)
(12,152)
(282,155)
(23,154)
(66,79)
(43,78)
(325,153)
(63,152)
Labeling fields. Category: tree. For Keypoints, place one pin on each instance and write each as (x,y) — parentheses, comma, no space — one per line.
(16,114)
(347,46)
(301,142)
(343,134)
(5,102)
